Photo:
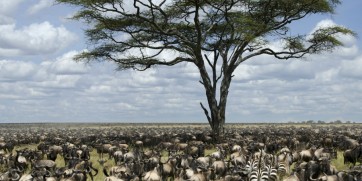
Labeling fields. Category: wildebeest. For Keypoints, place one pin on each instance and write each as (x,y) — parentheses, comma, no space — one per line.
(3,146)
(183,146)
(10,175)
(307,155)
(84,167)
(113,178)
(117,171)
(47,164)
(352,155)
(40,174)
(52,155)
(153,175)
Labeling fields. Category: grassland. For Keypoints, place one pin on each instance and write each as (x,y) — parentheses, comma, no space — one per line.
(338,163)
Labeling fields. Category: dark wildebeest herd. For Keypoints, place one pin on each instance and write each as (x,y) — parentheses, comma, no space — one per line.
(151,153)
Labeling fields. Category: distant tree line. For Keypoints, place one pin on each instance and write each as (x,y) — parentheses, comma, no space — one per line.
(323,122)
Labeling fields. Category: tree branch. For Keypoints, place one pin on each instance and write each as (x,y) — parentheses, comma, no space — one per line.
(206,114)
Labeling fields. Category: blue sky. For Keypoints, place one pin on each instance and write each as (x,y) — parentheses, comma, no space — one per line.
(39,82)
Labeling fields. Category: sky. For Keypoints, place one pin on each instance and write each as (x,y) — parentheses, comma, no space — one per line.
(40,82)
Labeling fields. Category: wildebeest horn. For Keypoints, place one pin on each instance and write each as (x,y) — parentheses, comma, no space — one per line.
(166,161)
(17,177)
(105,172)
(311,178)
(59,171)
(20,169)
(47,173)
(95,171)
(77,171)
(14,170)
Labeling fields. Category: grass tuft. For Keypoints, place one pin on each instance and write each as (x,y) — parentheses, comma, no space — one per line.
(339,162)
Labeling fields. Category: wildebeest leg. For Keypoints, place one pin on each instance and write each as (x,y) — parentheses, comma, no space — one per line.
(90,175)
(89,170)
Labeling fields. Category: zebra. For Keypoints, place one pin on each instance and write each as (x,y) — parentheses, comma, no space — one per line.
(268,173)
(282,168)
(263,168)
(283,163)
(258,175)
(271,173)
(251,166)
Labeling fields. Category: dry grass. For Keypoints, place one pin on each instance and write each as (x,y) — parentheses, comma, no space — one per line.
(2,169)
(339,162)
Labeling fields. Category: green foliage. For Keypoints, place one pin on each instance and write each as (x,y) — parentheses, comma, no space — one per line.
(193,27)
(327,38)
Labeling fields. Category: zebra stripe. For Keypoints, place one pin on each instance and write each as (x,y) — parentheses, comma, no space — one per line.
(268,173)
(251,166)
(282,168)
(271,173)
(257,175)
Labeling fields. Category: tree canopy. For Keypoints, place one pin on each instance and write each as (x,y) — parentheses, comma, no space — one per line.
(214,35)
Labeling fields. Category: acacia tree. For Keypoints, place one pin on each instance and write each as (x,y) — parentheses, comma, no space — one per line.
(216,36)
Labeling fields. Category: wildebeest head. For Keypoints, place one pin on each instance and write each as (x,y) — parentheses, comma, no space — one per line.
(312,171)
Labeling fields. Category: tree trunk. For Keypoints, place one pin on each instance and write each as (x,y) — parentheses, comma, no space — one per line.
(217,130)
(217,110)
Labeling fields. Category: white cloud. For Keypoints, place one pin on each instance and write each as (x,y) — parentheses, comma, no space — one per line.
(66,65)
(146,77)
(8,6)
(10,52)
(37,38)
(39,6)
(328,75)
(323,24)
(352,69)
(15,70)
(61,73)
(59,81)
(5,20)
